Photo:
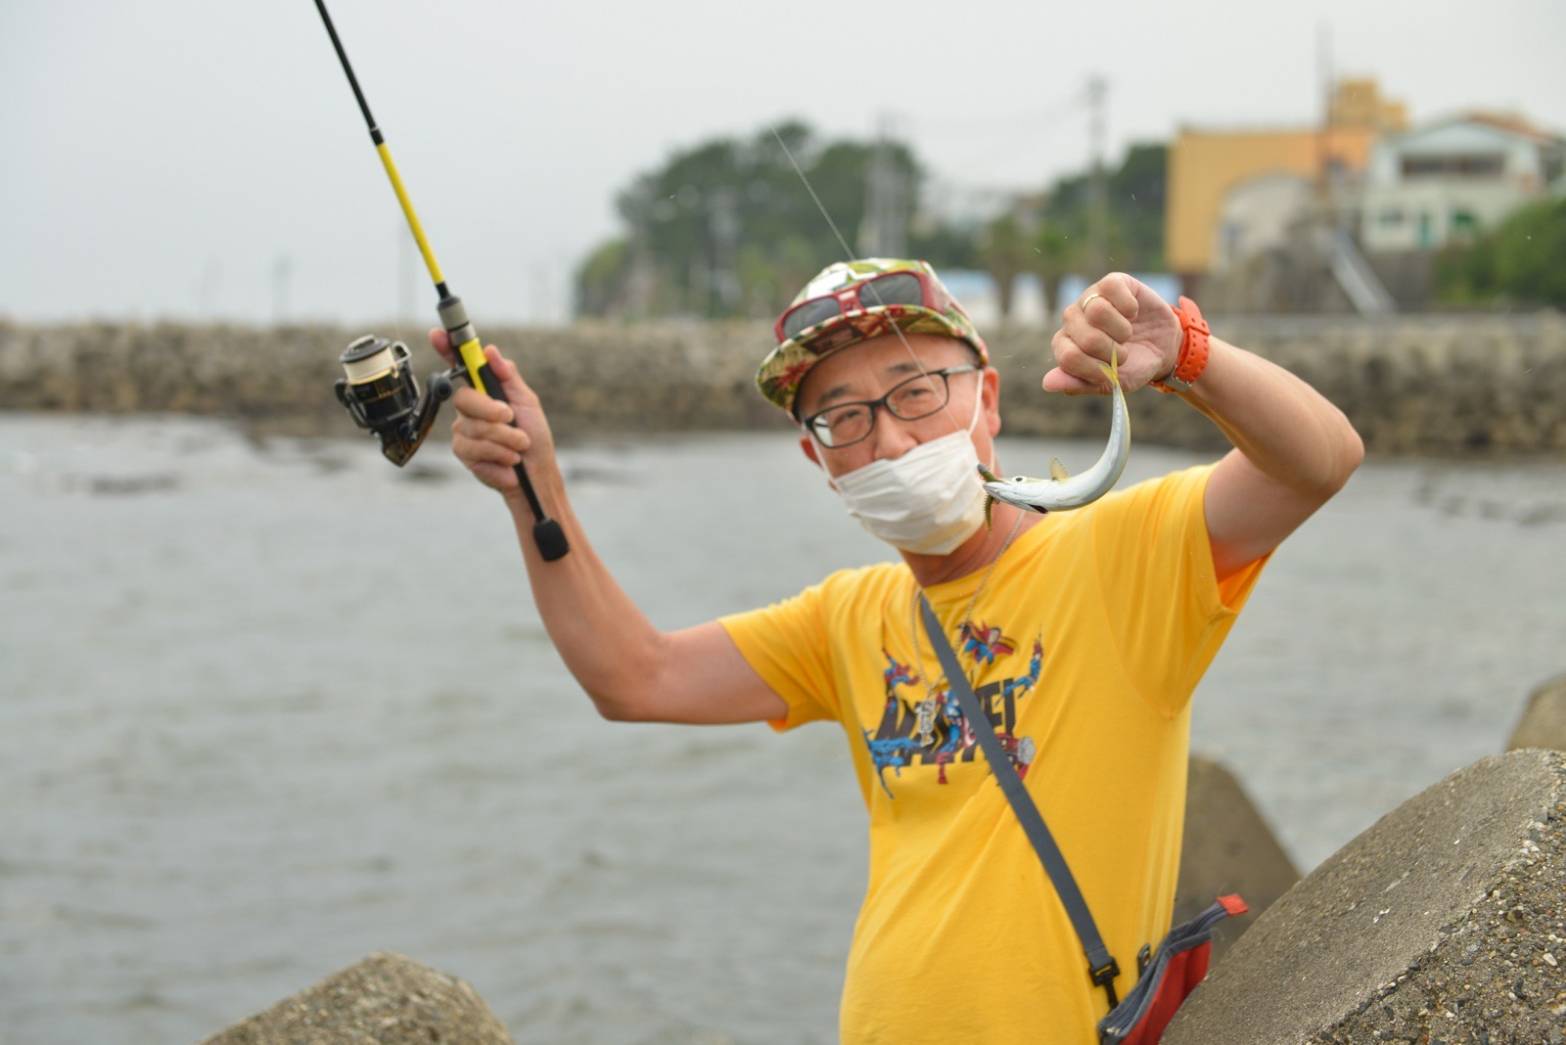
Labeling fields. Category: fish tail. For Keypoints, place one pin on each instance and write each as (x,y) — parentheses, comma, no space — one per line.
(1112,371)
(989,500)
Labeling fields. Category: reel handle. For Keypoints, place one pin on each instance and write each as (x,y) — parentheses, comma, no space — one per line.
(548,534)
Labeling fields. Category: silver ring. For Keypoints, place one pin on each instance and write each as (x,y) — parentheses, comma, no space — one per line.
(1087,300)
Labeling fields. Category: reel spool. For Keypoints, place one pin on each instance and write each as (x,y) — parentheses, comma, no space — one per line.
(382,395)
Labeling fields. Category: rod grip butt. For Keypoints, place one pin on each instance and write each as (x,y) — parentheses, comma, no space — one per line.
(551,540)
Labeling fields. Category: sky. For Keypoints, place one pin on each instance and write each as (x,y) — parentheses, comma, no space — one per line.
(191,159)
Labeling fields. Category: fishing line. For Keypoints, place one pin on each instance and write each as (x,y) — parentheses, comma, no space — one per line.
(848,255)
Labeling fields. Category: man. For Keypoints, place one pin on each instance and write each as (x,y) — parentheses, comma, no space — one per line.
(1083,633)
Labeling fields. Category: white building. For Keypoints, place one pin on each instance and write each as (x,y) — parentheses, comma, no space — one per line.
(1259,214)
(1453,179)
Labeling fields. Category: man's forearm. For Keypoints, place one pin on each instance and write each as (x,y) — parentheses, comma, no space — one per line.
(605,640)
(1285,428)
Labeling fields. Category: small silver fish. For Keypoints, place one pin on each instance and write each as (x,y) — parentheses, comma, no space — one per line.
(1063,491)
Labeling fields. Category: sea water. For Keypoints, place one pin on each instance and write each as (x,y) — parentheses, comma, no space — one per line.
(267,706)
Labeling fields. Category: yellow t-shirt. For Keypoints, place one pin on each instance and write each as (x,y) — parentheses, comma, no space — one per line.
(1084,646)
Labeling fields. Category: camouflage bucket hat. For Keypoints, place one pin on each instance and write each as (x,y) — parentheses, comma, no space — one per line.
(786,365)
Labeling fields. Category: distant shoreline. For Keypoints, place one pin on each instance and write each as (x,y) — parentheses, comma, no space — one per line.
(1430,385)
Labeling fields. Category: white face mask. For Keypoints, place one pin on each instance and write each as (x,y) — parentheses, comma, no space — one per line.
(928,501)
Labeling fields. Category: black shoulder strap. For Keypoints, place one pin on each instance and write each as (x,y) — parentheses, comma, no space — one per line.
(1102,967)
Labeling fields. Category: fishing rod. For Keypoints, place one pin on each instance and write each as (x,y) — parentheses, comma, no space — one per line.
(379,389)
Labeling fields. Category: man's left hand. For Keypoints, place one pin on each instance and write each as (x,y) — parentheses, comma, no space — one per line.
(1121,315)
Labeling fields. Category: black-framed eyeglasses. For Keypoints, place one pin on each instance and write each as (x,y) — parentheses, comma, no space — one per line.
(844,424)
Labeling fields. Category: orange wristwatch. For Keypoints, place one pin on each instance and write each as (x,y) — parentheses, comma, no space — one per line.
(1195,343)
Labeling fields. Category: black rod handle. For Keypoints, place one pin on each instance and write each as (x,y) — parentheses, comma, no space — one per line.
(548,534)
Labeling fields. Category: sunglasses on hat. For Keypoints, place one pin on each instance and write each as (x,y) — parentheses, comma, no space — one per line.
(892,288)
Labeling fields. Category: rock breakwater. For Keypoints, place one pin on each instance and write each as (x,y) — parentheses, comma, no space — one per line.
(1444,921)
(1412,384)
(386,999)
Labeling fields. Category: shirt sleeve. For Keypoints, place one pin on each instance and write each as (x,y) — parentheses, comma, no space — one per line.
(787,645)
(1155,565)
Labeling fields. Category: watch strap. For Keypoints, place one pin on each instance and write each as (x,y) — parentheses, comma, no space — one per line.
(1195,348)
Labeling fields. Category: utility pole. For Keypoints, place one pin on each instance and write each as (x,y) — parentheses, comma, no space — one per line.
(207,288)
(723,226)
(282,271)
(641,281)
(1324,86)
(884,232)
(1098,212)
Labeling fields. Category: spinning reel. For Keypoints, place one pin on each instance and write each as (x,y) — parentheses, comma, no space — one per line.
(382,395)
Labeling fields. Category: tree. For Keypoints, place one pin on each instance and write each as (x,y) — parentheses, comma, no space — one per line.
(726,227)
(1136,207)
(1135,236)
(1518,263)
(1005,253)
(601,279)
(1054,258)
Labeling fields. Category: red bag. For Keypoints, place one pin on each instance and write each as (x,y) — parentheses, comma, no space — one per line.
(1176,967)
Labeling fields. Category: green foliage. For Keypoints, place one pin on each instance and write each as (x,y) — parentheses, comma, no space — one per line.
(1521,262)
(1055,256)
(1006,252)
(727,228)
(944,247)
(1135,196)
(1136,207)
(600,277)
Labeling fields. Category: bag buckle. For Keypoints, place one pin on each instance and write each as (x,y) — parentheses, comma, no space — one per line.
(1104,976)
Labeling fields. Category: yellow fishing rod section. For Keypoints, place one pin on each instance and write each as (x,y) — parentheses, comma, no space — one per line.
(471,352)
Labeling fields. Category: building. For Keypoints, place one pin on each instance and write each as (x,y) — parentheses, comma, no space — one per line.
(1206,164)
(1454,178)
(976,291)
(1358,103)
(1259,214)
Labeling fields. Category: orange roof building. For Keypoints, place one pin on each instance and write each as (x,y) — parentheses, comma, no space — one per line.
(1204,164)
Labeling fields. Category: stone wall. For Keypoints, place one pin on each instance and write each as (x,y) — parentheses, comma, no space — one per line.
(1411,384)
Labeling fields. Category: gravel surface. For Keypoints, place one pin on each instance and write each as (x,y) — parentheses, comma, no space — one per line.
(385,999)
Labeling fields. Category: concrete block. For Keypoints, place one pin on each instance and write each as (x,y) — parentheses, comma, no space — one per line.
(1228,848)
(1445,921)
(1543,723)
(385,999)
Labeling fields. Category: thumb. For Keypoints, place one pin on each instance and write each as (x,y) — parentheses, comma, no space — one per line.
(440,341)
(517,392)
(1057,380)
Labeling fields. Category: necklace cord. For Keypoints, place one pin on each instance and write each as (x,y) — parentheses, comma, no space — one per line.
(967,613)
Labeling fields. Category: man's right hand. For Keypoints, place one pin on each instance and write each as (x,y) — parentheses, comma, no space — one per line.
(696,674)
(483,437)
